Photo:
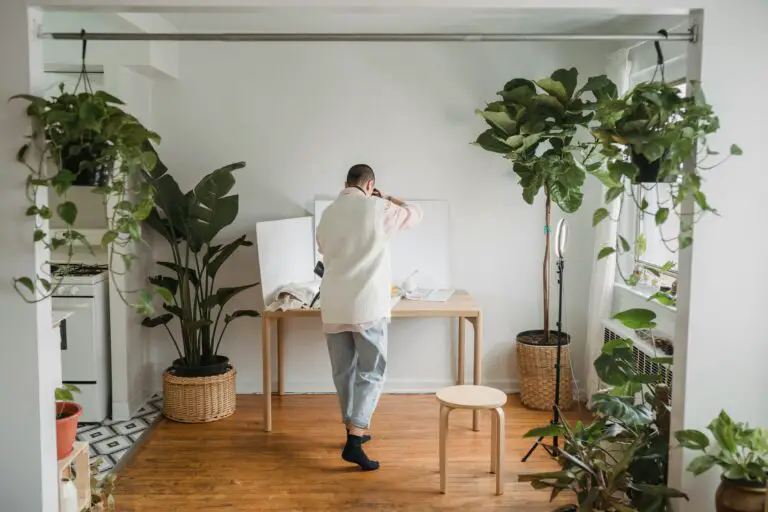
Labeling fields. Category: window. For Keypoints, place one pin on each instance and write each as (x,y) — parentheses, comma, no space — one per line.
(661,251)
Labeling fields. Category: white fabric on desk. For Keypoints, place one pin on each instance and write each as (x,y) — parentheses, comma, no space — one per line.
(295,296)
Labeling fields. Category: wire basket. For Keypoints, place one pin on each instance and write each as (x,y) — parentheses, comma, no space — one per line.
(199,399)
(536,370)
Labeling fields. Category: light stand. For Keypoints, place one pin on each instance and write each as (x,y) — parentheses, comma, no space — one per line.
(560,239)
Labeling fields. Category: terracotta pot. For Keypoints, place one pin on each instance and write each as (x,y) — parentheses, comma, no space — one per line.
(66,427)
(740,496)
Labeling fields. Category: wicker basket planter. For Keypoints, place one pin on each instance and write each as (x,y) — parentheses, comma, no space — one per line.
(536,371)
(199,399)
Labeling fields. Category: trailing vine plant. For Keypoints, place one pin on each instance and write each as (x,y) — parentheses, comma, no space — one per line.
(78,137)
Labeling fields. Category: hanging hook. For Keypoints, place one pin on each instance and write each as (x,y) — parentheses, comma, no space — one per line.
(83,78)
(660,55)
(85,43)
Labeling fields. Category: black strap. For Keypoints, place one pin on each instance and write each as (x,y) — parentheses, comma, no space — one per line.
(660,56)
(360,189)
(83,78)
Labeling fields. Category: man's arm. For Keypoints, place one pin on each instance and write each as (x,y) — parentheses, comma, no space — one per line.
(399,215)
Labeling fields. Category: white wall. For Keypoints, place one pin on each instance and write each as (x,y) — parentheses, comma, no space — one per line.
(28,368)
(301,114)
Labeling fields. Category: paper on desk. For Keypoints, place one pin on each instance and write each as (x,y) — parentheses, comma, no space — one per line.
(427,295)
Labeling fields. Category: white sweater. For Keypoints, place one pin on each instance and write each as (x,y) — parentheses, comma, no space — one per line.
(355,245)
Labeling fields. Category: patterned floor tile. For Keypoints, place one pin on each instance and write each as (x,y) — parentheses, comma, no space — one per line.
(128,427)
(112,445)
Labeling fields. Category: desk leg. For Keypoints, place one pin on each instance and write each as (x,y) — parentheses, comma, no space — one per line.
(460,372)
(280,358)
(478,359)
(266,363)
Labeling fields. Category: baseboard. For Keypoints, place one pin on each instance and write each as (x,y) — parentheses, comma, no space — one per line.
(123,411)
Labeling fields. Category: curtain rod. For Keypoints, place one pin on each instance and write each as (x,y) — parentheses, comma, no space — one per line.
(348,37)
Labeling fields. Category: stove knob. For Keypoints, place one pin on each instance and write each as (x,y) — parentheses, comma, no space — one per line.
(75,290)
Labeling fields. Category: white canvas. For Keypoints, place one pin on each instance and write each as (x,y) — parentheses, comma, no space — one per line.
(285,253)
(424,248)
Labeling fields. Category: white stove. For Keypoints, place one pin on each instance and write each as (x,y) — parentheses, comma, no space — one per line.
(85,343)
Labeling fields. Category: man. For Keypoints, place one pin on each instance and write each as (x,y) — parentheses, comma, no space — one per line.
(353,237)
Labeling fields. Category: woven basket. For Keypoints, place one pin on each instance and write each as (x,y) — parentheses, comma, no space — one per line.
(199,399)
(536,370)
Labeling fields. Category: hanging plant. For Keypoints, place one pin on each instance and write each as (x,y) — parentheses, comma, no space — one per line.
(535,125)
(86,138)
(654,141)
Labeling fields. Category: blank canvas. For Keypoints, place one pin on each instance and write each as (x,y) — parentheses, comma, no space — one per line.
(424,248)
(286,252)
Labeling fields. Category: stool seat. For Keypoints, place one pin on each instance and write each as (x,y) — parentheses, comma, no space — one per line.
(471,397)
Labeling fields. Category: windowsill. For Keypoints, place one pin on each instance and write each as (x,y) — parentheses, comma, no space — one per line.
(644,293)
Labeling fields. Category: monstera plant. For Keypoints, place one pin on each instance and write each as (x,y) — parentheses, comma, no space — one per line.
(189,223)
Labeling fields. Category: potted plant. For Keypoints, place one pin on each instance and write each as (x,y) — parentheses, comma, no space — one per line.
(189,223)
(102,489)
(742,454)
(67,413)
(535,126)
(654,144)
(619,461)
(86,138)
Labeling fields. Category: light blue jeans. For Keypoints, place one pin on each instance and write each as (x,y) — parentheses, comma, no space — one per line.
(359,362)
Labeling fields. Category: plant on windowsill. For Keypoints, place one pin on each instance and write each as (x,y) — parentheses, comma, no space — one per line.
(648,140)
(189,223)
(535,125)
(618,461)
(742,454)
(67,413)
(87,139)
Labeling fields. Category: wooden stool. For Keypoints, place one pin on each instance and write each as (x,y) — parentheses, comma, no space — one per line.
(474,398)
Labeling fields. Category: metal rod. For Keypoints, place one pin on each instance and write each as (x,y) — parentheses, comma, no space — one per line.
(381,37)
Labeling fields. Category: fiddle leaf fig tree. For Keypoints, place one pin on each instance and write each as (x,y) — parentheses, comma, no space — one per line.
(535,125)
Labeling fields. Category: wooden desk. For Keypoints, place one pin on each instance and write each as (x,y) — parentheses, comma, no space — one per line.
(461,306)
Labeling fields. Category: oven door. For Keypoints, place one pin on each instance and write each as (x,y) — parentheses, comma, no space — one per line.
(78,351)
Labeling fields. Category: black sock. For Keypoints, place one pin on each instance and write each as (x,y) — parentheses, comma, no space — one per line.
(353,452)
(365,437)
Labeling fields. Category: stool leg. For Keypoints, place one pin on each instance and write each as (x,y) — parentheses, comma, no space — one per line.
(500,429)
(494,441)
(444,411)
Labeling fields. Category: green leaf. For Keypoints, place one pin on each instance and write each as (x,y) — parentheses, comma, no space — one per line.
(636,318)
(669,265)
(622,409)
(165,293)
(108,98)
(599,215)
(549,102)
(500,120)
(168,283)
(555,89)
(601,87)
(39,234)
(224,254)
(26,283)
(568,78)
(67,212)
(181,272)
(605,252)
(701,200)
(641,245)
(702,464)
(667,360)
(613,192)
(723,430)
(489,142)
(692,439)
(662,298)
(241,313)
(608,180)
(225,294)
(659,490)
(609,346)
(647,378)
(736,150)
(548,431)
(624,244)
(661,216)
(108,238)
(159,320)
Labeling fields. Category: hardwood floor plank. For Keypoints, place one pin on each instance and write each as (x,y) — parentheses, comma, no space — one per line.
(234,465)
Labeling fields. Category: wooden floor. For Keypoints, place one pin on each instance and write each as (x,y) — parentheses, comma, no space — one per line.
(234,465)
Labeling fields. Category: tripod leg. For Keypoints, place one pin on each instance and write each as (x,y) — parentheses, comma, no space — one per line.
(535,445)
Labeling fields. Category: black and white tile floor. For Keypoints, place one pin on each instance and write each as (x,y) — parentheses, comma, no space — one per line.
(111,440)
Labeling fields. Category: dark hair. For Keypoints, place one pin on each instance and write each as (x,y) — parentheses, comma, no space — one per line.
(359,175)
